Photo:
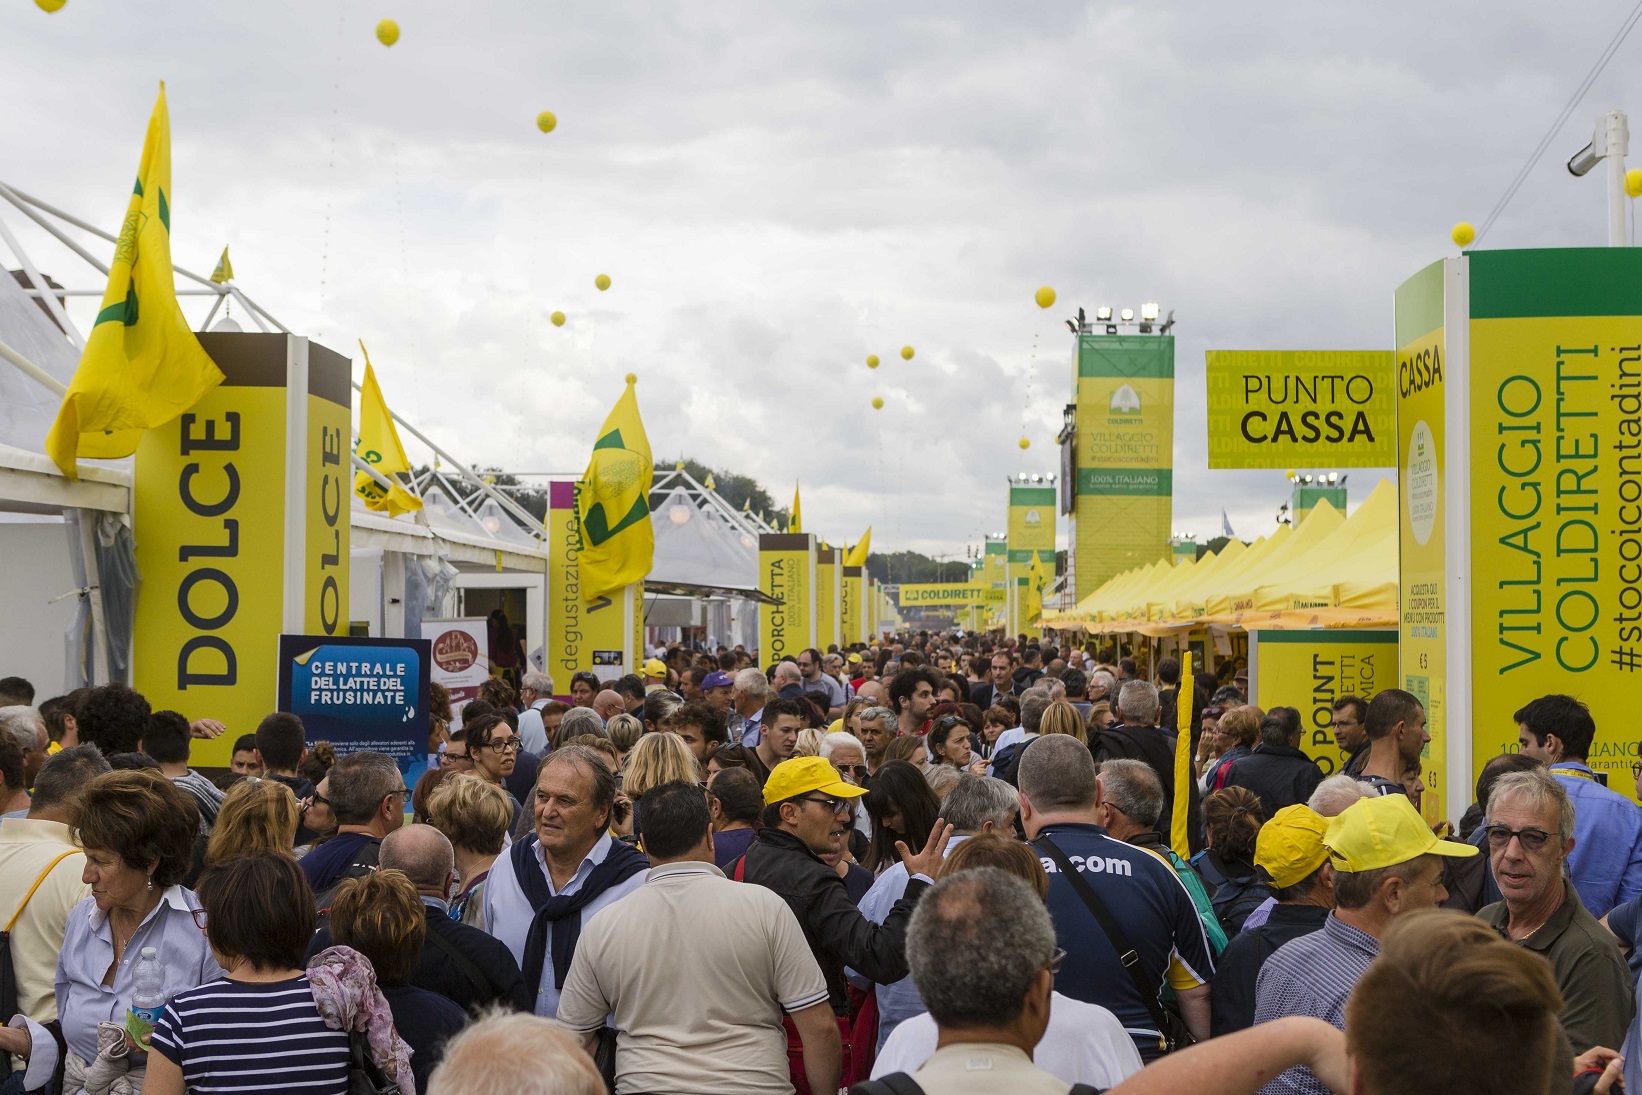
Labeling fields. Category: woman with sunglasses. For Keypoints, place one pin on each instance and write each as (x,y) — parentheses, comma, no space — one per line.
(949,743)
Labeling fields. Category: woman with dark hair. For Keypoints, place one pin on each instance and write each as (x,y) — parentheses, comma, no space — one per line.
(902,807)
(259,1029)
(730,756)
(381,916)
(949,743)
(1231,822)
(583,687)
(138,830)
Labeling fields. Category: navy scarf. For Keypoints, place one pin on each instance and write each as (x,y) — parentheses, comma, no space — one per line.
(562,914)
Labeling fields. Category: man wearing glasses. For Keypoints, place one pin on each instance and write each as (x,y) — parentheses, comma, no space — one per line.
(1350,724)
(1529,836)
(808,811)
(367,794)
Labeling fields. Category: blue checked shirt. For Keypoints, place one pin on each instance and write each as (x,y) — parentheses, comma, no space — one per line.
(1314,976)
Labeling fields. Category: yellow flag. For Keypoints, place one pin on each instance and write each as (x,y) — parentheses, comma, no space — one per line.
(1036,582)
(1178,835)
(380,448)
(618,544)
(795,523)
(142,365)
(857,556)
(225,269)
(711,483)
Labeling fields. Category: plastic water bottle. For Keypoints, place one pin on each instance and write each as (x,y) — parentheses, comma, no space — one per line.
(147,995)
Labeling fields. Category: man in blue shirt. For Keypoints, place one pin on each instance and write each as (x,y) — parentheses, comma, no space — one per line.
(1606,862)
(1060,798)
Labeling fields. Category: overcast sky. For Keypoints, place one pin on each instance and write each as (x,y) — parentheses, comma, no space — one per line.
(779,189)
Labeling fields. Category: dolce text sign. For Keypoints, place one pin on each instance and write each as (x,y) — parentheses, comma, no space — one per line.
(1280,408)
(241,523)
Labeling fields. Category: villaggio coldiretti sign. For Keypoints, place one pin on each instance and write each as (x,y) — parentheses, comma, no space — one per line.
(950,593)
(240,515)
(1276,409)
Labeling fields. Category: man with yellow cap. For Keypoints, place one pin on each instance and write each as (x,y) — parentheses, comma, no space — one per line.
(655,675)
(1289,852)
(1386,863)
(808,810)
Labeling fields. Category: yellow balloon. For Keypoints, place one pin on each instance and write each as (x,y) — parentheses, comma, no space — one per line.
(387,32)
(1026,443)
(1045,297)
(602,281)
(1633,182)
(557,318)
(872,361)
(906,353)
(632,378)
(877,402)
(545,121)
(1463,234)
(50,5)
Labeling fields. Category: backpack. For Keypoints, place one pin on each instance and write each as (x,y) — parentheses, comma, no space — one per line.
(363,863)
(900,1083)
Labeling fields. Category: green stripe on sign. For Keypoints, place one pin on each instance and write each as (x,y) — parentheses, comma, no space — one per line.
(1418,304)
(1153,481)
(1556,281)
(1031,496)
(1126,356)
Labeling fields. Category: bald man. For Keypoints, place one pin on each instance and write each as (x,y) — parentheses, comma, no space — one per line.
(608,704)
(459,962)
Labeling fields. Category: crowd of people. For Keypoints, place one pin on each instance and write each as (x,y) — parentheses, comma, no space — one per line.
(941,863)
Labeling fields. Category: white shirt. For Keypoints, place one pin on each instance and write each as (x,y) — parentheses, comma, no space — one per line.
(1009,737)
(509,912)
(1084,1044)
(532,730)
(899,1001)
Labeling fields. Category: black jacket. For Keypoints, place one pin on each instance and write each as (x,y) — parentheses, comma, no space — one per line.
(1025,677)
(1231,996)
(1156,747)
(1280,775)
(484,974)
(836,931)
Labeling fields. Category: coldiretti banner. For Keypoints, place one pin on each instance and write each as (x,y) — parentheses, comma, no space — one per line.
(995,572)
(241,523)
(850,608)
(1556,492)
(602,637)
(1124,454)
(786,571)
(950,593)
(1422,461)
(1279,408)
(1031,531)
(826,597)
(1309,670)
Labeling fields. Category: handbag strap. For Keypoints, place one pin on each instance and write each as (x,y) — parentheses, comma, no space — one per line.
(1127,955)
(52,866)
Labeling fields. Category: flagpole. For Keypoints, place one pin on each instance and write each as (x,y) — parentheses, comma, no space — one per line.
(31,369)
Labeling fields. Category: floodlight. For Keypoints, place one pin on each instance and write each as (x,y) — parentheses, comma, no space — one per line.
(1071,325)
(1104,313)
(1050,477)
(1021,476)
(1305,479)
(1333,477)
(1583,160)
(1127,315)
(1148,312)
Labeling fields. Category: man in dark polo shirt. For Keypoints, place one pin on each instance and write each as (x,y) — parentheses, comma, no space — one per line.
(1529,835)
(1060,797)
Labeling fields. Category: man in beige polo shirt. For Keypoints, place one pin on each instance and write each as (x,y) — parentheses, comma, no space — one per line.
(699,971)
(38,848)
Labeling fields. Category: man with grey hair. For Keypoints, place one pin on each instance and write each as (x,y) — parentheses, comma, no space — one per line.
(1138,737)
(1530,832)
(1060,799)
(535,693)
(878,725)
(367,794)
(505,1054)
(748,695)
(459,962)
(982,951)
(977,804)
(25,726)
(40,847)
(581,720)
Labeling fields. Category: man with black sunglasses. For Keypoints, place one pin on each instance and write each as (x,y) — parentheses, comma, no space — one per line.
(808,812)
(1529,836)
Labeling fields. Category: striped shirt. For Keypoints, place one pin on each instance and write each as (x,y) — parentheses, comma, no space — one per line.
(1314,976)
(241,1037)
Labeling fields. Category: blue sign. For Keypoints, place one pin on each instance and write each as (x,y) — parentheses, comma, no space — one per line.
(360,694)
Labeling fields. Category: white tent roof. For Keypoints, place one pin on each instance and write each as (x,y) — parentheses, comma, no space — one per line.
(697,546)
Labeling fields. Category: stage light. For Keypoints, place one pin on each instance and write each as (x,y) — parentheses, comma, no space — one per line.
(1148,312)
(1104,313)
(1127,315)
